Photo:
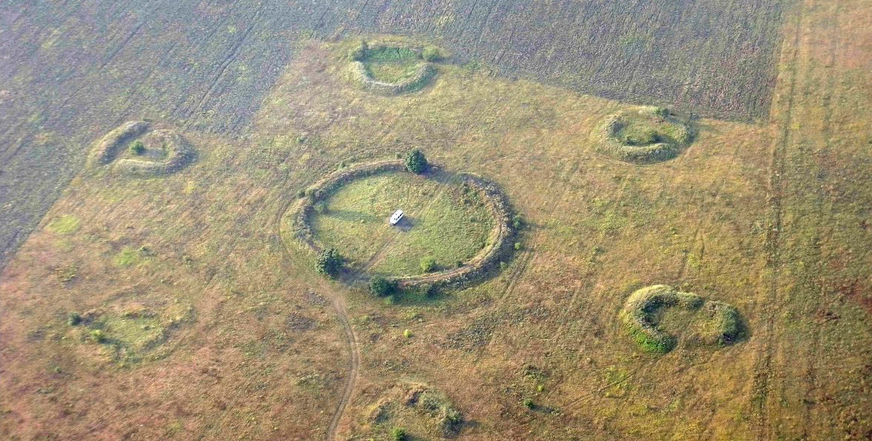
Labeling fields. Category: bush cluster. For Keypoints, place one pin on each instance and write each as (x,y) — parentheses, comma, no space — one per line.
(329,262)
(416,162)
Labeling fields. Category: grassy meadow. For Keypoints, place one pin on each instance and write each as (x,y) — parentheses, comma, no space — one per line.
(214,328)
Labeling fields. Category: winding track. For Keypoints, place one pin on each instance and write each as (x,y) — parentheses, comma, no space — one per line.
(338,302)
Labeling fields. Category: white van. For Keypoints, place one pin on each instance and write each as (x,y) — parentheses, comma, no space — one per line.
(396,217)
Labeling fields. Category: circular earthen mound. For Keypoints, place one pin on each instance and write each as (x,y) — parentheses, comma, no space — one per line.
(498,246)
(642,310)
(165,151)
(419,73)
(129,333)
(422,410)
(643,135)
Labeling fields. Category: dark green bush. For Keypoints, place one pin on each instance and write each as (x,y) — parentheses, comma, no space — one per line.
(398,434)
(329,262)
(137,148)
(431,53)
(416,162)
(382,287)
(74,319)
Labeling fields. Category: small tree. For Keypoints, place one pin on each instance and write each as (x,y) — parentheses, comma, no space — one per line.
(416,162)
(398,434)
(428,264)
(431,53)
(382,287)
(137,148)
(329,262)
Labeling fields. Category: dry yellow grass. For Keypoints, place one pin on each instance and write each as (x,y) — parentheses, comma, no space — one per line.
(769,217)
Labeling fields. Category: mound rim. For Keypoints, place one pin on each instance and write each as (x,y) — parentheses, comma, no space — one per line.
(360,75)
(641,306)
(179,152)
(662,148)
(498,246)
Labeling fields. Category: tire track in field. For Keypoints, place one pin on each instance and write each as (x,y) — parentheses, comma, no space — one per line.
(338,302)
(763,366)
(827,132)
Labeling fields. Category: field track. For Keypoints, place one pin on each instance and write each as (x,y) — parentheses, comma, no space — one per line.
(337,299)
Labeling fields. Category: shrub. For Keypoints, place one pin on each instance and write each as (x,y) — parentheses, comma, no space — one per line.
(329,262)
(661,112)
(517,222)
(528,403)
(398,434)
(382,287)
(358,52)
(407,333)
(137,148)
(416,162)
(428,264)
(321,208)
(74,319)
(301,194)
(98,336)
(431,53)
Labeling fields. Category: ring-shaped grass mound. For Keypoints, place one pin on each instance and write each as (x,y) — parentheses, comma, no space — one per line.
(469,189)
(643,135)
(392,68)
(422,411)
(644,308)
(142,149)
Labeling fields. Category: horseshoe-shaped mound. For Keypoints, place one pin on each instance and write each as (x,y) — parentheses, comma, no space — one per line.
(643,135)
(644,311)
(143,149)
(392,68)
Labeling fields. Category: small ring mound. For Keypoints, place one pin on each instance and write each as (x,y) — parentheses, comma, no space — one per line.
(418,73)
(640,311)
(644,135)
(499,243)
(170,150)
(361,76)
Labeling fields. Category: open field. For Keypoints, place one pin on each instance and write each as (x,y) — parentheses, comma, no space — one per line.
(72,71)
(213,327)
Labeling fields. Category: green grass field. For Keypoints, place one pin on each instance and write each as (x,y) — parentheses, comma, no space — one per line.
(441,222)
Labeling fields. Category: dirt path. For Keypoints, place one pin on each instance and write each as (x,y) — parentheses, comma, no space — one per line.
(338,302)
(770,296)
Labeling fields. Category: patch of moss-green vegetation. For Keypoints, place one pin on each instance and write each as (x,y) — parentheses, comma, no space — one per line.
(132,336)
(64,224)
(129,256)
(655,313)
(444,223)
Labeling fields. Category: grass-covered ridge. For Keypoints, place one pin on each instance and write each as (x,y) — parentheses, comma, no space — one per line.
(644,135)
(392,67)
(644,311)
(143,149)
(459,225)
